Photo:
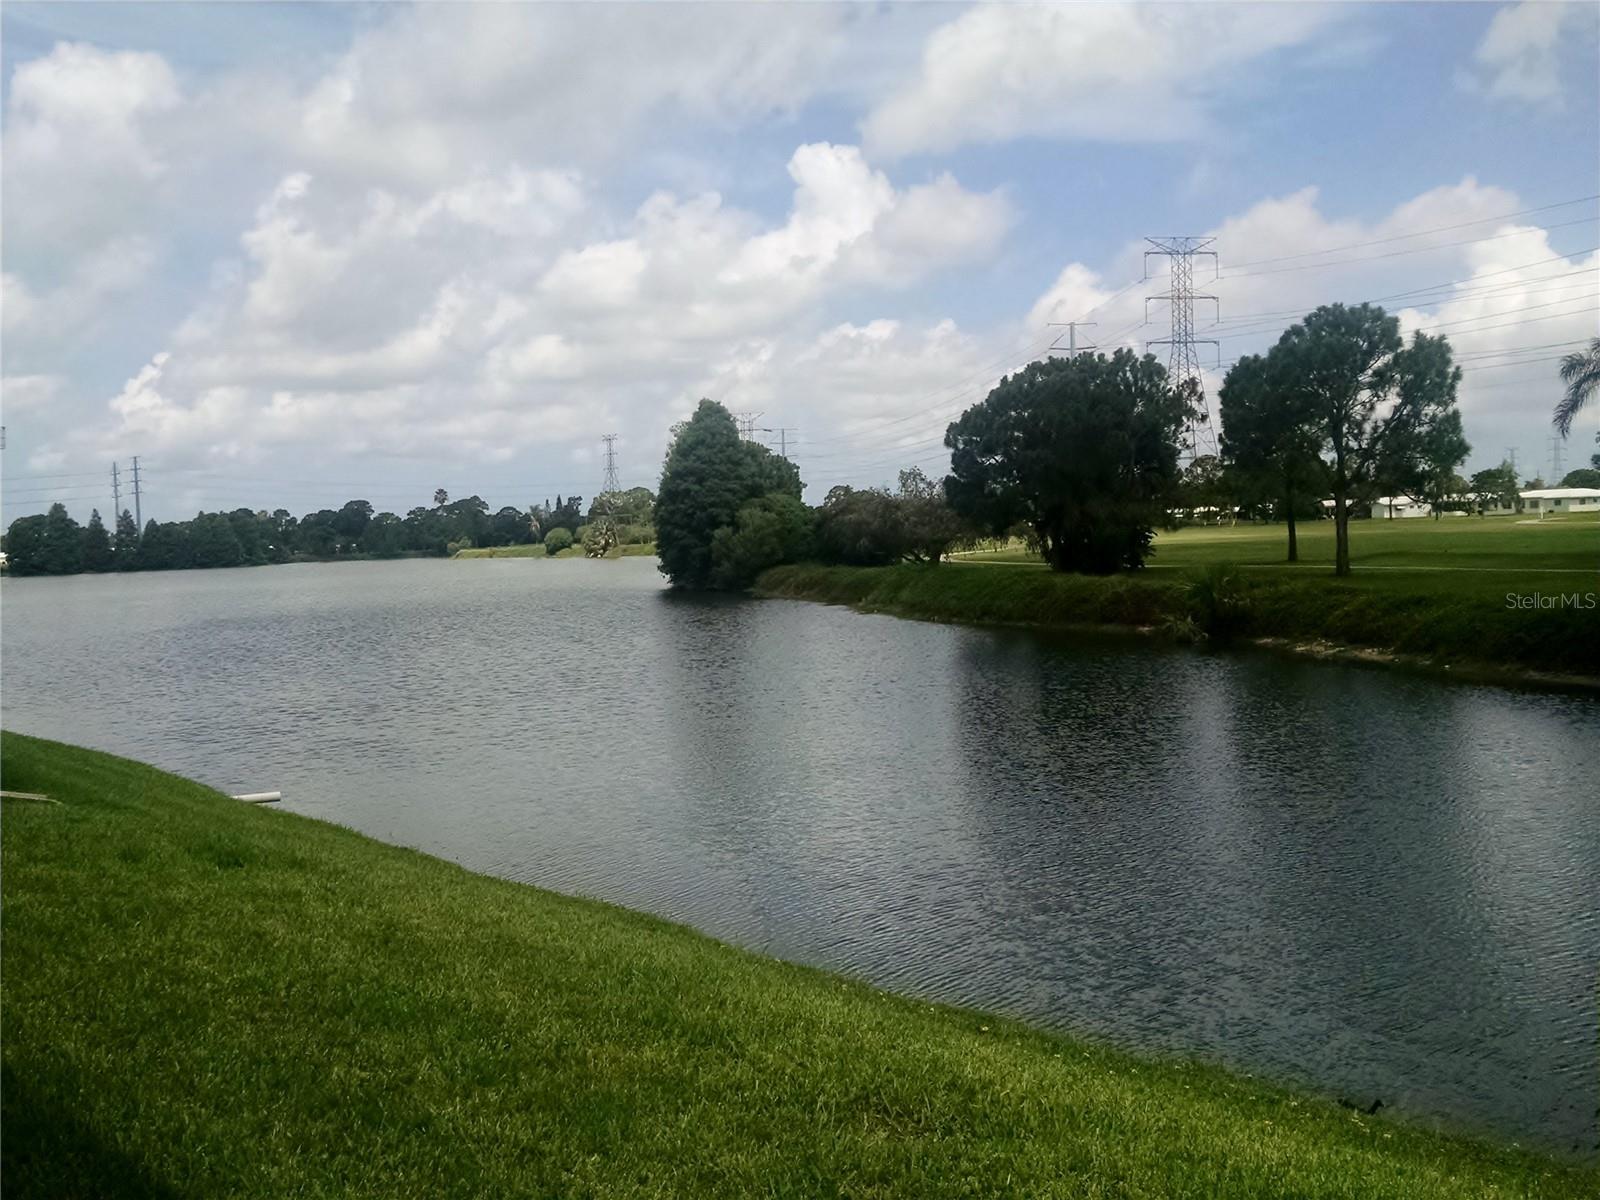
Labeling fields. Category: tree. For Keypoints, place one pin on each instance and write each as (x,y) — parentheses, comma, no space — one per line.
(125,546)
(1440,450)
(96,552)
(929,525)
(350,522)
(859,527)
(25,544)
(1580,371)
(1378,403)
(708,476)
(440,498)
(1493,487)
(213,543)
(62,548)
(1269,435)
(1083,449)
(384,536)
(1584,477)
(771,529)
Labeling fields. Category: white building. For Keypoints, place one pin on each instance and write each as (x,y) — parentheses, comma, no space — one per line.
(1561,500)
(1394,507)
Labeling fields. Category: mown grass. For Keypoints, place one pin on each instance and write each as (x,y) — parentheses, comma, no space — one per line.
(203,998)
(646,549)
(1434,589)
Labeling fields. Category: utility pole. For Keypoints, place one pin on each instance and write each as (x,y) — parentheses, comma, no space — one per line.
(1183,364)
(783,441)
(1072,337)
(138,513)
(116,495)
(1511,455)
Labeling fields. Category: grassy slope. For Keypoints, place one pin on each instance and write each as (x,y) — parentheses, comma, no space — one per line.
(1428,588)
(203,998)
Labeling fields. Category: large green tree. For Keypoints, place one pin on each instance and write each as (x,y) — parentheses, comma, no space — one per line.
(1378,403)
(1493,487)
(125,545)
(710,474)
(96,544)
(1084,450)
(63,543)
(1270,437)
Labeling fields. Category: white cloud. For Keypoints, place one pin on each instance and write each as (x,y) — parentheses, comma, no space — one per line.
(441,90)
(81,162)
(1519,57)
(463,341)
(1121,72)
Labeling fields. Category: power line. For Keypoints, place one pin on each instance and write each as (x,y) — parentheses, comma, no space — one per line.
(1425,232)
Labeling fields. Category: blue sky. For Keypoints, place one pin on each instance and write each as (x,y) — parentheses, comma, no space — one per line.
(288,254)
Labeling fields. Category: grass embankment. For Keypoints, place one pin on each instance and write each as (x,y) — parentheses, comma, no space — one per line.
(646,549)
(1438,593)
(204,998)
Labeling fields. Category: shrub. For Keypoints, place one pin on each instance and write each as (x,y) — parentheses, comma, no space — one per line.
(557,540)
(1218,601)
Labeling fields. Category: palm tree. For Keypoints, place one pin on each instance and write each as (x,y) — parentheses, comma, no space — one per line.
(1580,371)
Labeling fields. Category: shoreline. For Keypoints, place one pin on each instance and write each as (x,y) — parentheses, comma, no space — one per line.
(1129,606)
(245,962)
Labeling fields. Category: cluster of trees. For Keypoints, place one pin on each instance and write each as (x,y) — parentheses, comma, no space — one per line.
(55,544)
(729,509)
(1343,404)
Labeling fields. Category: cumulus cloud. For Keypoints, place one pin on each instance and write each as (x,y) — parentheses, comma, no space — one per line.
(421,311)
(82,161)
(441,90)
(1121,72)
(1520,55)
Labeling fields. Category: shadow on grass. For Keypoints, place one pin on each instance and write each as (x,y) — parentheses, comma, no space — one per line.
(46,1151)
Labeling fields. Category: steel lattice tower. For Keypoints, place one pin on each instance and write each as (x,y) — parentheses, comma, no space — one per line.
(1183,364)
(605,517)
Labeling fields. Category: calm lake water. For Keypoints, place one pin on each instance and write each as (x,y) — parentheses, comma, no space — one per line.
(1374,884)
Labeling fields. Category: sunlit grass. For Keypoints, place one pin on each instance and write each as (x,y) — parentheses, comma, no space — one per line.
(203,998)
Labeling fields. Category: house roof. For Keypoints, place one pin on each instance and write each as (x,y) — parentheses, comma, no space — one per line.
(1559,493)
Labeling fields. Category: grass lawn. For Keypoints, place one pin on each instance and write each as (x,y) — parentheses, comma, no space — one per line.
(205,998)
(1490,554)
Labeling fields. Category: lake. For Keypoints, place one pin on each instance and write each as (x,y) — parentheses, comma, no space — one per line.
(1364,881)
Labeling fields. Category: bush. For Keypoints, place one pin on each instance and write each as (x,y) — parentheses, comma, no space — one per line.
(557,540)
(1218,601)
(772,530)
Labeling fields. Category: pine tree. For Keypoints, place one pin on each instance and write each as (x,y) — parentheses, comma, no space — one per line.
(125,546)
(96,544)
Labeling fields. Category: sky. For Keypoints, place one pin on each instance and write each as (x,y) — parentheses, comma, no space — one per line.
(288,255)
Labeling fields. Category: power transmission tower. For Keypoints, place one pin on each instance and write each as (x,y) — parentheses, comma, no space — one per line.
(1072,346)
(1555,462)
(116,495)
(1511,453)
(605,520)
(138,513)
(1183,364)
(747,424)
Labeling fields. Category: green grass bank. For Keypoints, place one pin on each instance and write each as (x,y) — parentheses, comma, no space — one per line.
(205,998)
(642,550)
(1439,594)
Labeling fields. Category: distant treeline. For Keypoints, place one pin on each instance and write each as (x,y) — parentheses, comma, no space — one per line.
(55,544)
